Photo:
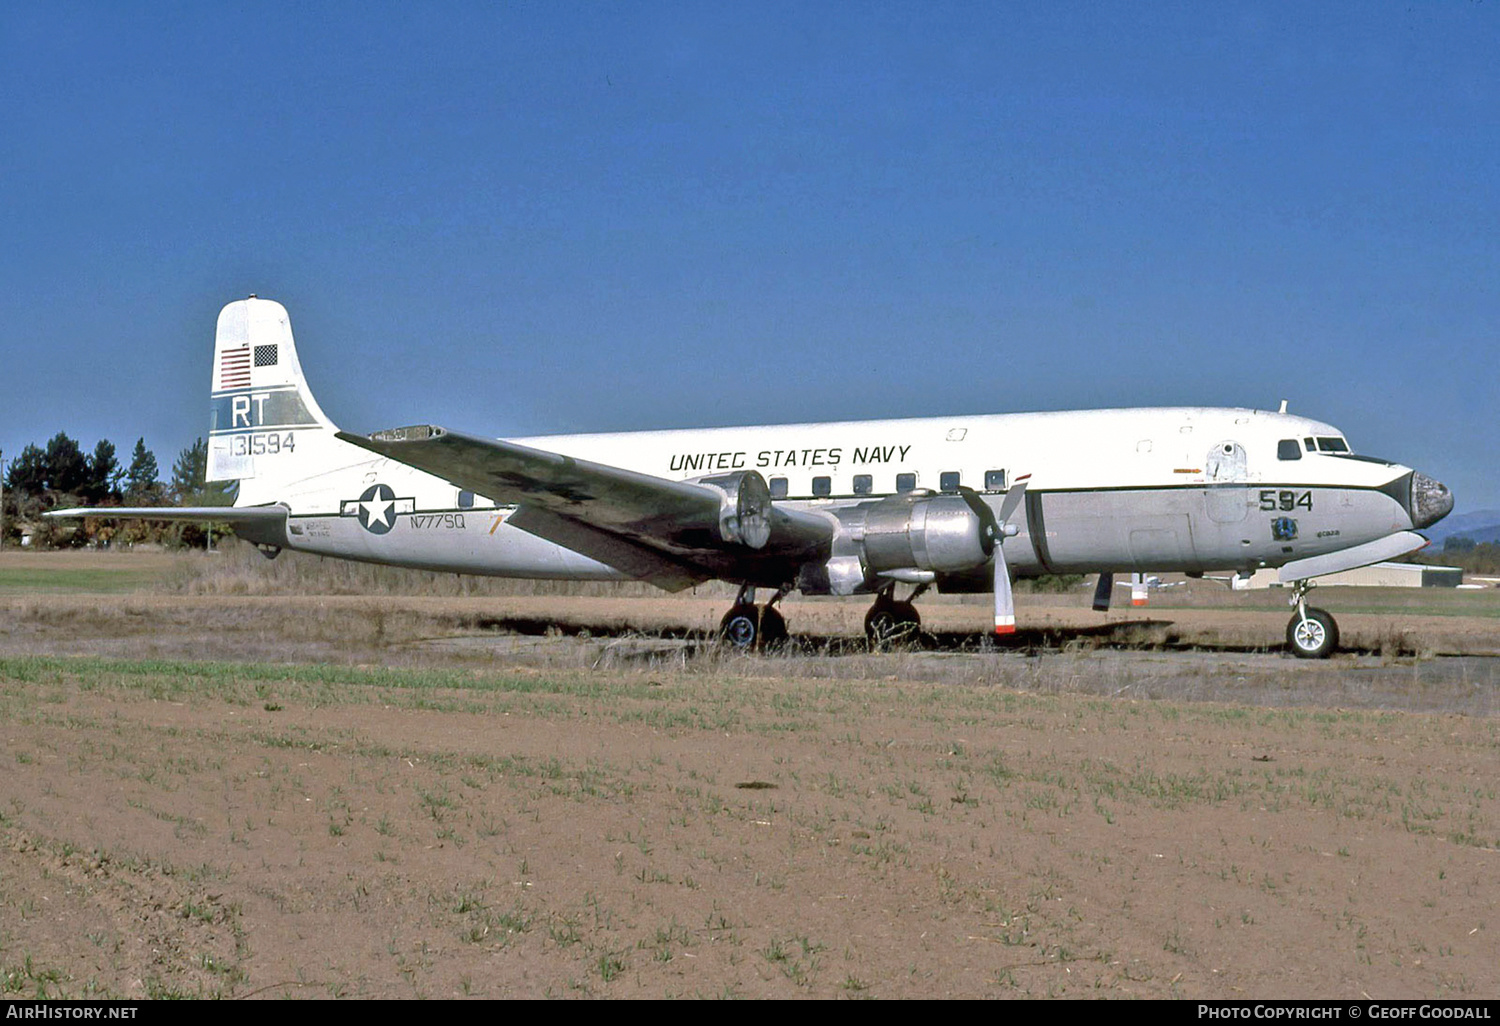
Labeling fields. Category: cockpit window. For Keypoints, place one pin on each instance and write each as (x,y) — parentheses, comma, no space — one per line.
(1288,449)
(1311,445)
(1332,445)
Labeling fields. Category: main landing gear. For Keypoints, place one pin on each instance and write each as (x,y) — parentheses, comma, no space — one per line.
(888,623)
(893,623)
(1311,633)
(747,626)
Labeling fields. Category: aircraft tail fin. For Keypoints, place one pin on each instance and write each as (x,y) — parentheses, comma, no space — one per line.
(266,430)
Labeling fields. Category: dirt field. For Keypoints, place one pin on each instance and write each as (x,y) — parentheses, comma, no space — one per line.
(422,794)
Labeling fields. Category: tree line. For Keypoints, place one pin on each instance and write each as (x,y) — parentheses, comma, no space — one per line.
(1475,557)
(61,474)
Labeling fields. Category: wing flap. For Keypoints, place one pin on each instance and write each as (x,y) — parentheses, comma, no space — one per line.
(611,549)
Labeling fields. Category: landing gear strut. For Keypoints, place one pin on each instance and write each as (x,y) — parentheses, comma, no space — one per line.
(747,627)
(893,623)
(1311,633)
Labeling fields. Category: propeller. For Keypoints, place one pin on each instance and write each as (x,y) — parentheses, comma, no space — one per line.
(994,530)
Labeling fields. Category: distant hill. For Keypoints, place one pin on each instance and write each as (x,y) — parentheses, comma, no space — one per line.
(1481,525)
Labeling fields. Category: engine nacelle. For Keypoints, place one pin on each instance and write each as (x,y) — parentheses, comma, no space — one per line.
(915,531)
(928,532)
(744,508)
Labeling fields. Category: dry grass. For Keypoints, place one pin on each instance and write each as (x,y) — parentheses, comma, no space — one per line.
(238,569)
(182,828)
(419,793)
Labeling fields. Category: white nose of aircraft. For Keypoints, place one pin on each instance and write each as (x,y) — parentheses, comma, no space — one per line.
(1430,501)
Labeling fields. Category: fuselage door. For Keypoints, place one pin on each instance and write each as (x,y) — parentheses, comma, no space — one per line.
(1225,472)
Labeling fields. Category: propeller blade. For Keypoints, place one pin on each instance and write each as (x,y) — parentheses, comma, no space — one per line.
(1139,590)
(1102,592)
(1005,600)
(1013,498)
(989,527)
(1005,603)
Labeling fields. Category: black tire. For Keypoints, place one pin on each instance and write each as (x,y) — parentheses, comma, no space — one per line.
(892,624)
(773,632)
(1317,637)
(740,628)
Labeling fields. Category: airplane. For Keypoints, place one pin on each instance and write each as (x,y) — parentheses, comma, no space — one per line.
(961,503)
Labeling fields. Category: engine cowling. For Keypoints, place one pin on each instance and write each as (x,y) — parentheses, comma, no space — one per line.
(744,508)
(927,532)
(915,531)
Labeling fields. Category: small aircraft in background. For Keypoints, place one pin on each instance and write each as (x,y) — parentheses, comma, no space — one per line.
(961,503)
(1140,585)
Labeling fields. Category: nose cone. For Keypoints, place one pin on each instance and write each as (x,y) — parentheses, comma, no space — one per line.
(1430,501)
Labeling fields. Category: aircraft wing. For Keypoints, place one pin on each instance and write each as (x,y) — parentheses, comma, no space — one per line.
(672,533)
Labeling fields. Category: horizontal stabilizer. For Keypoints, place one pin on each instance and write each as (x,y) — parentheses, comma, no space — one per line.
(1377,551)
(228,514)
(265,525)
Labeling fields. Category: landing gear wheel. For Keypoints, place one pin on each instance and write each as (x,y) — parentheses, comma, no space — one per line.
(889,624)
(1314,636)
(773,632)
(740,627)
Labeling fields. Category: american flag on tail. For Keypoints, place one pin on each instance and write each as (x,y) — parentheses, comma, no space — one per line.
(234,367)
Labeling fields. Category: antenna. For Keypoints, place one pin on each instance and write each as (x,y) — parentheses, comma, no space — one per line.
(1283,407)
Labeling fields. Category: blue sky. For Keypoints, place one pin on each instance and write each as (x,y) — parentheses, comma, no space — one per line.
(529,218)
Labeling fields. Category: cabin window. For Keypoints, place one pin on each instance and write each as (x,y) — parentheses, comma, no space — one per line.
(1288,449)
(778,487)
(994,480)
(822,486)
(1332,445)
(948,481)
(906,482)
(465,500)
(864,484)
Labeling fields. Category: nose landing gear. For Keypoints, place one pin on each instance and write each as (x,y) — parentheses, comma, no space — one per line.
(1311,633)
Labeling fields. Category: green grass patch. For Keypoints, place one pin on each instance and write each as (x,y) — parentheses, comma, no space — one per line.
(29,581)
(1345,599)
(189,675)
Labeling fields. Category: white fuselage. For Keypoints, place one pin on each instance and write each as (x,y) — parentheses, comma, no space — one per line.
(1165,489)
